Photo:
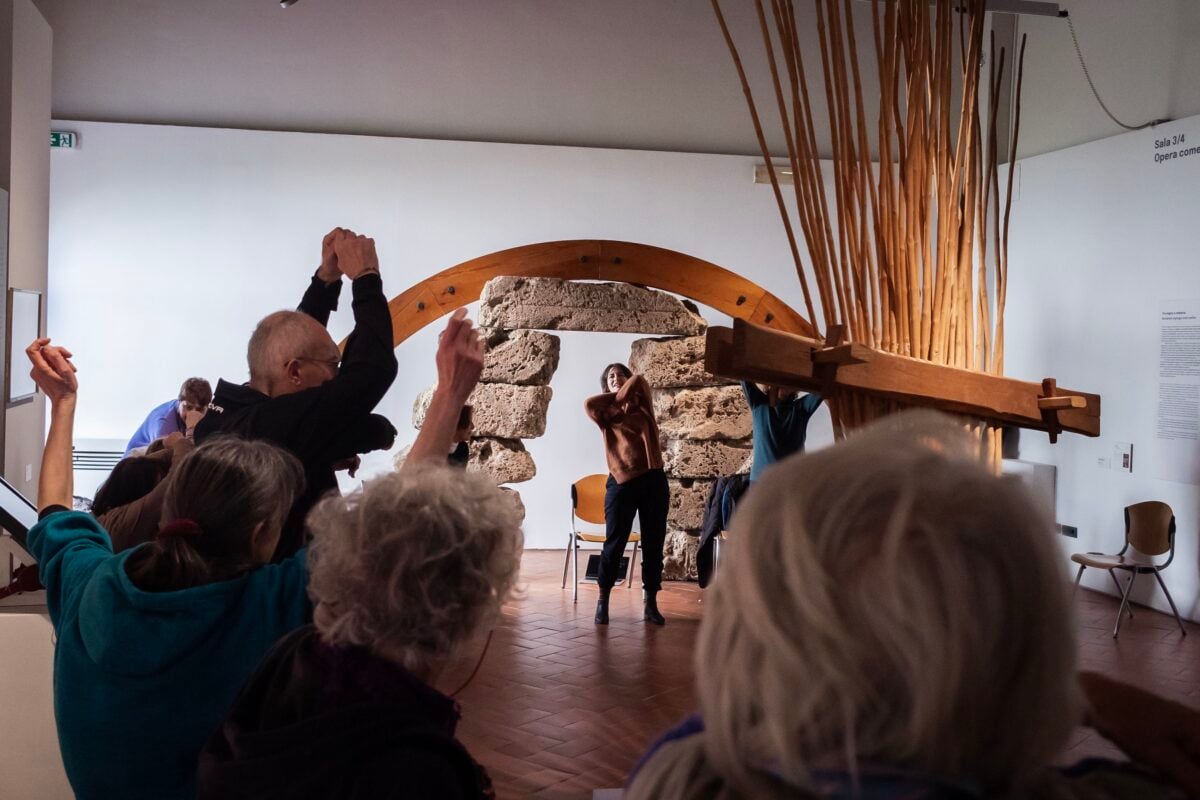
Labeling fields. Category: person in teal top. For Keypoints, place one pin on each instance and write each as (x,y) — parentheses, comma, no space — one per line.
(154,644)
(780,423)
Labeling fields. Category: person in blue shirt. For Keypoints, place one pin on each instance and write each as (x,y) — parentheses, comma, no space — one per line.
(174,416)
(780,422)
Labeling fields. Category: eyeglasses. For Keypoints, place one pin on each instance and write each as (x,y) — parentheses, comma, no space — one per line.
(333,363)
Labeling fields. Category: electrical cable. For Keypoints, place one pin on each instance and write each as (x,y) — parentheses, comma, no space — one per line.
(1088,75)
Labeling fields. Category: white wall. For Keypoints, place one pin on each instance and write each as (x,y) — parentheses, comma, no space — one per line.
(168,244)
(1101,235)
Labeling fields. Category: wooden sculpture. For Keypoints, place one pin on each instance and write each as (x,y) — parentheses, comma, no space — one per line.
(900,255)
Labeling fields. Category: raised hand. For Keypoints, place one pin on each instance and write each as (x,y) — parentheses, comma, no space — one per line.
(459,357)
(329,270)
(52,370)
(355,255)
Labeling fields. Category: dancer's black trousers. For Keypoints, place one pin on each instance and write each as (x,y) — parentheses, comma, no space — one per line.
(647,496)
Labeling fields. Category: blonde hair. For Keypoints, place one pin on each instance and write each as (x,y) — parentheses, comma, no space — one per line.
(416,563)
(886,601)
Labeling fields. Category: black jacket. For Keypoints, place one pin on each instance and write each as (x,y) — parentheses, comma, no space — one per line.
(316,721)
(327,423)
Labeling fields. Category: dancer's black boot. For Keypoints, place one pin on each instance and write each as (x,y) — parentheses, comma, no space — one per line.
(602,607)
(652,614)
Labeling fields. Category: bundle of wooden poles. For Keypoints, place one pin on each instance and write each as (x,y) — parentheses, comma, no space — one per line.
(899,251)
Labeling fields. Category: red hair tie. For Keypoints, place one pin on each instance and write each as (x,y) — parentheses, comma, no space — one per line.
(181,527)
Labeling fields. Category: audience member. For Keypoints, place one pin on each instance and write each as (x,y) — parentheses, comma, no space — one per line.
(153,644)
(636,485)
(129,503)
(407,578)
(893,621)
(306,396)
(180,415)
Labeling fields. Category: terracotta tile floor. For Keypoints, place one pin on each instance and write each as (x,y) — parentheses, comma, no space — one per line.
(561,707)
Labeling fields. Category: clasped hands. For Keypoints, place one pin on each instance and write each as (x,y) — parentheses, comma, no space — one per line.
(344,252)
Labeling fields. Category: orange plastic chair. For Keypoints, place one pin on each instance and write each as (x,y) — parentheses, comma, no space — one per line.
(1150,528)
(587,504)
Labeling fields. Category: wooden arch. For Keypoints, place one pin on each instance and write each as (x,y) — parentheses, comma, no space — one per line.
(595,259)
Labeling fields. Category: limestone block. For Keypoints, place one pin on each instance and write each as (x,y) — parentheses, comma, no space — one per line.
(688,499)
(526,358)
(672,363)
(555,304)
(713,412)
(505,460)
(679,555)
(501,410)
(687,458)
(515,497)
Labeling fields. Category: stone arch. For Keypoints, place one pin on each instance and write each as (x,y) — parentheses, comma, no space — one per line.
(595,259)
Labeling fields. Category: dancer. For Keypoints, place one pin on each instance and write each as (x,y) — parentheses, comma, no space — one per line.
(636,483)
(780,421)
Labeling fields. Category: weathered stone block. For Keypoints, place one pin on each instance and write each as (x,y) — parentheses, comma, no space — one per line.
(688,499)
(714,412)
(672,363)
(515,497)
(555,304)
(526,358)
(501,410)
(687,458)
(679,555)
(506,460)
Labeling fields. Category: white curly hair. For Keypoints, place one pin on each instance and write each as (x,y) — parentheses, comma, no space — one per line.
(414,564)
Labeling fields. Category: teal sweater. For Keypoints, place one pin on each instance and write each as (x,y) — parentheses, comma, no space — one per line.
(142,678)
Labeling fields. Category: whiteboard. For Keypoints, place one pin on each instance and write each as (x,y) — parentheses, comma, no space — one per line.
(24,318)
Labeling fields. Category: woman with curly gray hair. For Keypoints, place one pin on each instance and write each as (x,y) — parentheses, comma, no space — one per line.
(407,577)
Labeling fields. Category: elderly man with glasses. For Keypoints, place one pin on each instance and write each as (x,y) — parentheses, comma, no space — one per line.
(303,393)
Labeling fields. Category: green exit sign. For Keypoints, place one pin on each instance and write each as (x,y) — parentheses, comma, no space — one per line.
(63,139)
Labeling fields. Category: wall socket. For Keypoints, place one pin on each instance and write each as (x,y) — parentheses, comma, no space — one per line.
(1068,530)
(28,472)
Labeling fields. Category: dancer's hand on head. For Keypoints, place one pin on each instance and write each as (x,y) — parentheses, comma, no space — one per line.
(355,255)
(459,356)
(52,370)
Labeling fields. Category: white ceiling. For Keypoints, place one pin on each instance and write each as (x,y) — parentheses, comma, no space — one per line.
(641,74)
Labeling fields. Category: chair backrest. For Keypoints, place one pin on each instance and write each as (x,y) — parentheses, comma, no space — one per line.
(1149,527)
(587,498)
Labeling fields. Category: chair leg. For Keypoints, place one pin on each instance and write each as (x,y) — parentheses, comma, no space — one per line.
(1112,575)
(1171,600)
(567,560)
(1124,602)
(575,571)
(1078,578)
(632,566)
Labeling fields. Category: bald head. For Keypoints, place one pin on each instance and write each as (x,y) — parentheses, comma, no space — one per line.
(290,351)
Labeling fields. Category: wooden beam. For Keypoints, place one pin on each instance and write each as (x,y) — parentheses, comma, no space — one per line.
(758,354)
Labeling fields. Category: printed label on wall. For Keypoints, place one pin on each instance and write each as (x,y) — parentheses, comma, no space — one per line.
(1177,431)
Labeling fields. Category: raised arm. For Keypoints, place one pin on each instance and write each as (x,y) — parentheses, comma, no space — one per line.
(459,363)
(635,392)
(321,297)
(754,395)
(602,408)
(54,374)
